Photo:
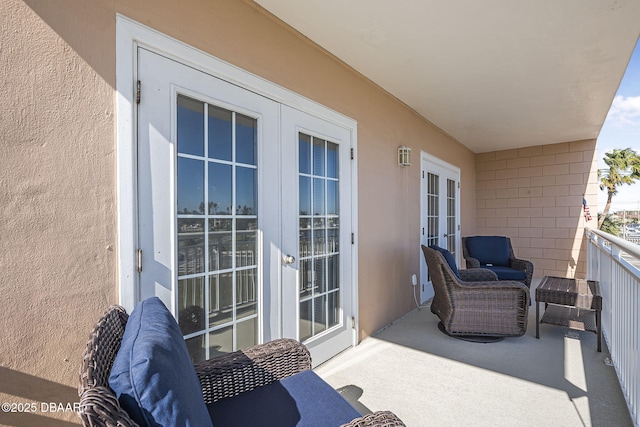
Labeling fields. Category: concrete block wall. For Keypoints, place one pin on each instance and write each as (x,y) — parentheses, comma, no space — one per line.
(534,196)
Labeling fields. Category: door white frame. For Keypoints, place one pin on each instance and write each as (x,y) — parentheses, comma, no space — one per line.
(129,35)
(429,163)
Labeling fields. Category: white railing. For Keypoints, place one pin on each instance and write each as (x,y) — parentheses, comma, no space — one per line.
(615,263)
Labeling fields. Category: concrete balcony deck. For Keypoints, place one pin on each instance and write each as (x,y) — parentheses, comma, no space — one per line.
(430,379)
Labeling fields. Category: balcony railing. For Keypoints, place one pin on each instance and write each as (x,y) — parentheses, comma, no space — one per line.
(615,263)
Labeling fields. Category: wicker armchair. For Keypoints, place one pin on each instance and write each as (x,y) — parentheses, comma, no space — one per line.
(516,264)
(222,377)
(488,308)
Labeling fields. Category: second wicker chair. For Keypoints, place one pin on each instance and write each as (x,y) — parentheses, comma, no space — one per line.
(468,307)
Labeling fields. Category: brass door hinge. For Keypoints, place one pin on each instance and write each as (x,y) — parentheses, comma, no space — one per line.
(139,260)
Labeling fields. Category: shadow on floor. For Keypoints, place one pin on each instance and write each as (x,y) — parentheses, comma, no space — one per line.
(352,394)
(421,374)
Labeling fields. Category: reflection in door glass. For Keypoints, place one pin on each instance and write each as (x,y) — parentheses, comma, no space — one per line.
(190,186)
(319,236)
(433,208)
(191,129)
(451,216)
(217,228)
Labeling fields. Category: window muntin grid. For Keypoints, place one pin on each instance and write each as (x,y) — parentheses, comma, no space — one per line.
(433,209)
(319,236)
(217,228)
(451,216)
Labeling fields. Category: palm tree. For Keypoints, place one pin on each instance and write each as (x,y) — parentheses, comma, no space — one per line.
(624,168)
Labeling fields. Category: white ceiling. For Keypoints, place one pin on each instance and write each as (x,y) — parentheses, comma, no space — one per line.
(494,74)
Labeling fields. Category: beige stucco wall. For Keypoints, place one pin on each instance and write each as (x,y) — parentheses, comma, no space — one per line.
(534,195)
(58,224)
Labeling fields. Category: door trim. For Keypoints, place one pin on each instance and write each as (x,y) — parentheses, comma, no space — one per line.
(131,34)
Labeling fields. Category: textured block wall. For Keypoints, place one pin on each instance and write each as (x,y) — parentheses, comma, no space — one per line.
(534,196)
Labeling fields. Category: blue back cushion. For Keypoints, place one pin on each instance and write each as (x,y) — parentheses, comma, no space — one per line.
(448,256)
(303,399)
(152,374)
(489,250)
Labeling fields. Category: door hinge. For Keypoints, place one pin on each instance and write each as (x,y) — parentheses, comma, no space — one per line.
(139,260)
(353,322)
(353,238)
(138,92)
(352,154)
(423,231)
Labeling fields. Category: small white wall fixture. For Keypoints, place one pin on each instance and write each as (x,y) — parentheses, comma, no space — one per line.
(404,156)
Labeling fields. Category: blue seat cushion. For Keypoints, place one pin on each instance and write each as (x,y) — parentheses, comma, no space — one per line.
(303,399)
(448,256)
(153,375)
(506,273)
(489,250)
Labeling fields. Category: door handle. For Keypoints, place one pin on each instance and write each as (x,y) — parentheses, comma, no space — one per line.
(289,259)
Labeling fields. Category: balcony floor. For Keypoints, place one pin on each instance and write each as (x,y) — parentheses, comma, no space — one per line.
(428,378)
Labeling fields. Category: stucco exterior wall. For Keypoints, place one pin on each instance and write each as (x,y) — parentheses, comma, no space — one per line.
(58,224)
(534,196)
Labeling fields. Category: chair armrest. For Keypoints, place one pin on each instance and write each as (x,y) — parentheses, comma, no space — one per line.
(99,406)
(486,286)
(484,289)
(499,284)
(523,265)
(477,275)
(244,370)
(472,262)
(380,418)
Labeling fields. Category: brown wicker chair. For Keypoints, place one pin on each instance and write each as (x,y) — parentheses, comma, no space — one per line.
(487,308)
(222,377)
(522,265)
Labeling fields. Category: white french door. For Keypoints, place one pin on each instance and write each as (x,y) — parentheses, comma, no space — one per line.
(243,213)
(440,213)
(317,229)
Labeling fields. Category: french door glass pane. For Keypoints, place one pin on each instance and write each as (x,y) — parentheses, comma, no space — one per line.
(246,194)
(190,246)
(246,140)
(220,189)
(319,222)
(190,186)
(305,195)
(451,216)
(433,208)
(217,247)
(220,128)
(190,126)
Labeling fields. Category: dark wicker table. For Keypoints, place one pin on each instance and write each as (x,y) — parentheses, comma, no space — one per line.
(572,303)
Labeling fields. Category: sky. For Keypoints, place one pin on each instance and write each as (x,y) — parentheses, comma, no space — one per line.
(621,130)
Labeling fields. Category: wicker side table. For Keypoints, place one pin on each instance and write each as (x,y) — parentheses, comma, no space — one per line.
(572,303)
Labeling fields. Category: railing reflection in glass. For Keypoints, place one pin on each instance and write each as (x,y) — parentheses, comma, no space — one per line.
(217,226)
(319,235)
